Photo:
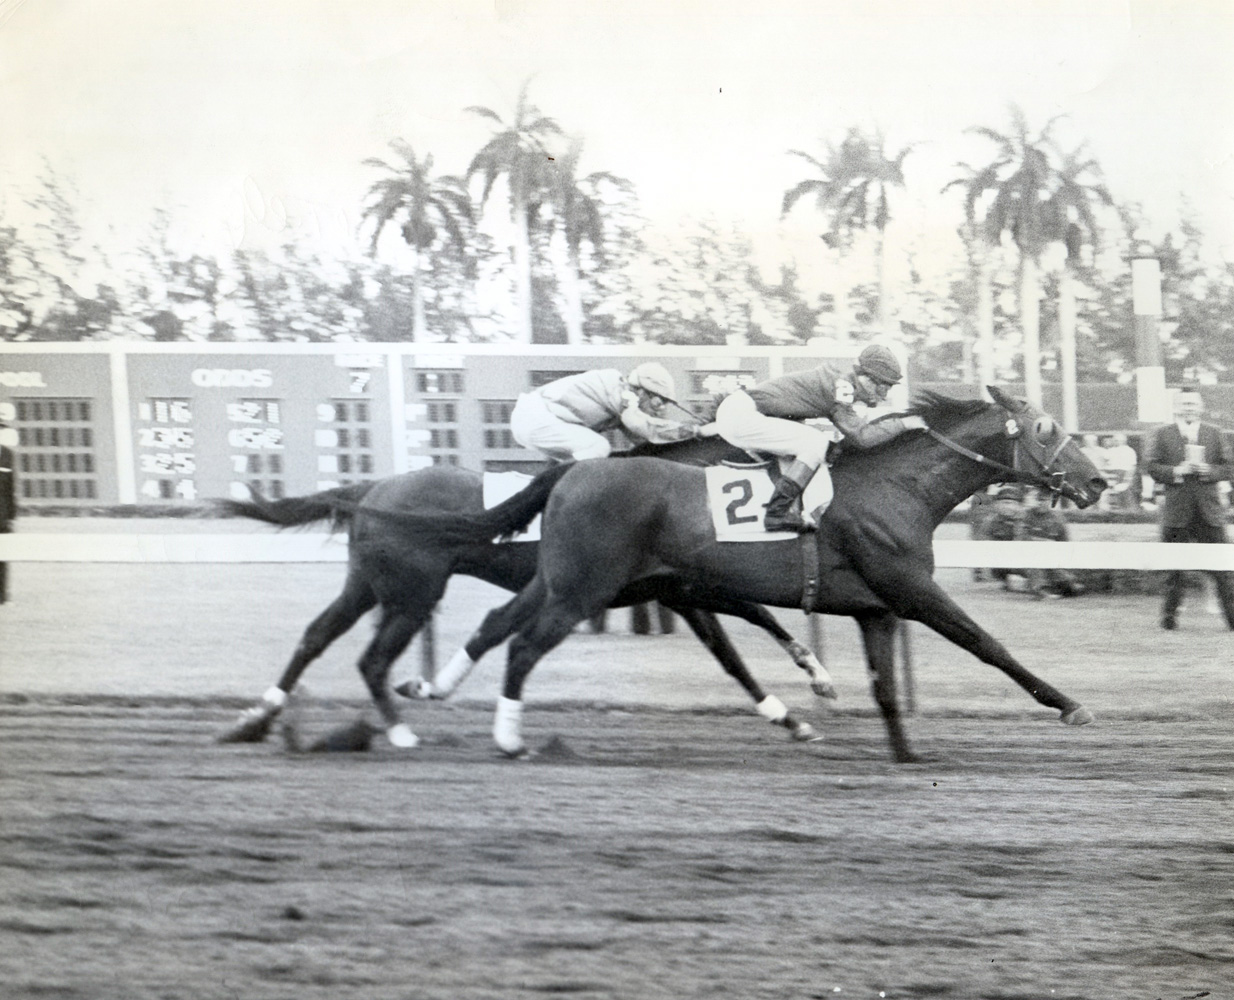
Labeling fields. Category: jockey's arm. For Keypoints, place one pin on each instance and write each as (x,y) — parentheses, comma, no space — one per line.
(657,430)
(868,434)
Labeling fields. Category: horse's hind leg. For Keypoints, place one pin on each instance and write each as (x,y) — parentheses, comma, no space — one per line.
(713,636)
(254,723)
(554,622)
(394,632)
(878,634)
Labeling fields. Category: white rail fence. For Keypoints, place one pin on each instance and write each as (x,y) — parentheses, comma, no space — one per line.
(319,547)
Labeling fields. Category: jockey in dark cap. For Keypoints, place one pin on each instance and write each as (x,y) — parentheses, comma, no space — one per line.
(769,418)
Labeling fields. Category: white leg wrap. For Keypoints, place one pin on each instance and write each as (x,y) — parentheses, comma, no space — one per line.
(508,725)
(275,697)
(772,709)
(401,736)
(454,674)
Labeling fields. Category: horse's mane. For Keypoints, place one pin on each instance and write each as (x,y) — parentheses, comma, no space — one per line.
(938,411)
(935,408)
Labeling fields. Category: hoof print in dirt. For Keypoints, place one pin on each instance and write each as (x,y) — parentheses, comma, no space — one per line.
(556,749)
(356,738)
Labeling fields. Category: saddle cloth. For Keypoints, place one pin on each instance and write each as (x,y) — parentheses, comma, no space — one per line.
(500,486)
(737,498)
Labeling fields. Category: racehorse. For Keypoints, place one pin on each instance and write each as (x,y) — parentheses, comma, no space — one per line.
(406,575)
(609,523)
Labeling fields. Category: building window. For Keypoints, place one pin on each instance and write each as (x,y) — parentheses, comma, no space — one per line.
(495,414)
(431,383)
(344,442)
(539,378)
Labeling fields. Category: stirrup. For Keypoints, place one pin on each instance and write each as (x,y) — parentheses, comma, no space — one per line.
(787,522)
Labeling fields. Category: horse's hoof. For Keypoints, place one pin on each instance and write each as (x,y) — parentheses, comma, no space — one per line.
(418,690)
(824,689)
(253,726)
(1078,717)
(806,733)
(401,736)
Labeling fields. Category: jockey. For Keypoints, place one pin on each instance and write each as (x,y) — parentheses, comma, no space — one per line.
(565,418)
(768,418)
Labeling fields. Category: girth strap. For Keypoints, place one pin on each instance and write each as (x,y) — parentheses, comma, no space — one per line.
(809,571)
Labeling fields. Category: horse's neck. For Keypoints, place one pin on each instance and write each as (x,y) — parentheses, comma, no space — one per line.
(932,477)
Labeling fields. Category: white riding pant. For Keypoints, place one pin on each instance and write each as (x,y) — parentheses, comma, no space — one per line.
(535,425)
(740,423)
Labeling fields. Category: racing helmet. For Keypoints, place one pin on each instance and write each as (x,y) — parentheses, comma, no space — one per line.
(880,364)
(653,377)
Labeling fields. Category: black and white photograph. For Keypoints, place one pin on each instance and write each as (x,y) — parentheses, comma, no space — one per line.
(507,499)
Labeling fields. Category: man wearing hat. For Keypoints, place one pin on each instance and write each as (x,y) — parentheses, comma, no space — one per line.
(566,419)
(8,485)
(768,418)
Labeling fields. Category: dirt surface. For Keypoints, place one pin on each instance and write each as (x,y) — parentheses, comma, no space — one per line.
(664,842)
(640,854)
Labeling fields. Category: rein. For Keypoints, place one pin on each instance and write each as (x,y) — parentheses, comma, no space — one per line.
(1053,481)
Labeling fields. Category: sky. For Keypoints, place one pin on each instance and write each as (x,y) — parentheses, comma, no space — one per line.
(249,120)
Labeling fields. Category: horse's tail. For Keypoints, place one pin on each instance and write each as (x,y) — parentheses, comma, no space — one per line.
(506,519)
(337,504)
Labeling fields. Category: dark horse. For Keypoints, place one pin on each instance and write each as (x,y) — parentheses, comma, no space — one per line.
(610,523)
(407,574)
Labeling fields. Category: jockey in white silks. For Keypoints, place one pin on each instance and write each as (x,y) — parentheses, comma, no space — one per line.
(565,419)
(768,418)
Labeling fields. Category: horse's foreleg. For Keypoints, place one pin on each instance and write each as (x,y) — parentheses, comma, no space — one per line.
(820,681)
(878,634)
(498,625)
(712,635)
(921,599)
(254,724)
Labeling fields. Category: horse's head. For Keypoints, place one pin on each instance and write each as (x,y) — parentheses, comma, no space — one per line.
(1042,452)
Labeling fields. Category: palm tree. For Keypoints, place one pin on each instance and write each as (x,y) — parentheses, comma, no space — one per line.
(1071,211)
(1022,181)
(855,192)
(579,210)
(519,151)
(426,206)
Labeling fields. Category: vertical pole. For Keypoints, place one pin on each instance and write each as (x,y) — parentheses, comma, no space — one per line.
(397,392)
(1153,404)
(122,425)
(428,647)
(906,668)
(816,636)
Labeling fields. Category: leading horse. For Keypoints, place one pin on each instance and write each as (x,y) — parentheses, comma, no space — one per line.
(610,523)
(406,575)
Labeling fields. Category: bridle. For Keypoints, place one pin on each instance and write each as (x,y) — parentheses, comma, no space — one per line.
(1044,475)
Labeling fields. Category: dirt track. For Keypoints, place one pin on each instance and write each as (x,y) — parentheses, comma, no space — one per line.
(640,854)
(645,853)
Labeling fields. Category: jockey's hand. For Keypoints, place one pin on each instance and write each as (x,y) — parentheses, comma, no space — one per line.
(914,423)
(706,430)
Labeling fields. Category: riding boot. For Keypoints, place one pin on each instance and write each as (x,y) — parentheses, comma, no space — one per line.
(780,514)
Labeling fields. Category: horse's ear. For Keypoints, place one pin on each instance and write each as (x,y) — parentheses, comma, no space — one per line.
(1009,403)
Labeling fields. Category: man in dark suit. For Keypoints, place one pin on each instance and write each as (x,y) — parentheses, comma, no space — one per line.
(1189,458)
(8,488)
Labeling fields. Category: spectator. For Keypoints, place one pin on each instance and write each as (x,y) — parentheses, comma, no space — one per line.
(1040,522)
(1092,450)
(1119,469)
(8,486)
(1189,459)
(996,520)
